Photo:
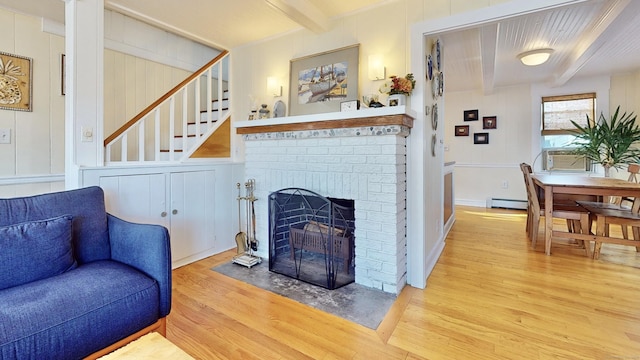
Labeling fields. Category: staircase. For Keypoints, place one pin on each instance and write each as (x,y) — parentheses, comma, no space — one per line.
(189,121)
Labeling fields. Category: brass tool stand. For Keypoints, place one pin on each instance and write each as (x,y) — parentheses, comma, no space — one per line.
(245,255)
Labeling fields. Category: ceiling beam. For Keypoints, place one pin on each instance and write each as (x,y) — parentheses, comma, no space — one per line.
(488,47)
(302,12)
(613,20)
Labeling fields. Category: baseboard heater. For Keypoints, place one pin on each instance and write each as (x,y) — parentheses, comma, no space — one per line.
(507,204)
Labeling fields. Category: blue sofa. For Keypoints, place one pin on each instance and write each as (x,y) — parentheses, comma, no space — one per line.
(76,281)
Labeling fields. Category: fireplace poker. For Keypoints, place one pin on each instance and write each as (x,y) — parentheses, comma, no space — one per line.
(241,237)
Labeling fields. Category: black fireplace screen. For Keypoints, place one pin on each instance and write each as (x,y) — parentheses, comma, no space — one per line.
(311,237)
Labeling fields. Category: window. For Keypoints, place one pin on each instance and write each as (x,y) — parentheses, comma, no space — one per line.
(558,111)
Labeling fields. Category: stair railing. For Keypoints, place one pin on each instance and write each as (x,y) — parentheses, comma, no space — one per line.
(179,109)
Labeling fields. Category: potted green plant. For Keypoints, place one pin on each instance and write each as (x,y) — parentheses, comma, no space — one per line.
(609,143)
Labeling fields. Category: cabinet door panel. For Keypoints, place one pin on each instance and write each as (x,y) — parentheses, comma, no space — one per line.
(136,198)
(192,213)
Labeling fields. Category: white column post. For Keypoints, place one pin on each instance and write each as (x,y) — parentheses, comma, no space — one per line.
(84,102)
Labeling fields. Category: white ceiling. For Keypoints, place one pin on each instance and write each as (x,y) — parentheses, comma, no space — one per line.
(595,37)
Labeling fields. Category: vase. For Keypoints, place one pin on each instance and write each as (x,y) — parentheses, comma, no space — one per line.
(397,100)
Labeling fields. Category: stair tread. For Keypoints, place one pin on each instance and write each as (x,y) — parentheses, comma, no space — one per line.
(212,110)
(201,122)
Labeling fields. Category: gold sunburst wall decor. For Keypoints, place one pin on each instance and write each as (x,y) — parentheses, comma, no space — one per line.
(15,82)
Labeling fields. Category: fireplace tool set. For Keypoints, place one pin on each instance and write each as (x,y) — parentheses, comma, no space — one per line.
(246,241)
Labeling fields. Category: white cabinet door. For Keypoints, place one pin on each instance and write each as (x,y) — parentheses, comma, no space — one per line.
(137,198)
(192,215)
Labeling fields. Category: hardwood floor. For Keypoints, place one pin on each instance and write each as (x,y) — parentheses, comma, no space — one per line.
(489,297)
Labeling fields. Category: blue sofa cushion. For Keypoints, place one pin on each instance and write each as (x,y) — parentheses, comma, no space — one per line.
(86,206)
(76,313)
(35,250)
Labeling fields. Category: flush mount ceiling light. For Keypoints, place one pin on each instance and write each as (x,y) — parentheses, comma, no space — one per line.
(535,57)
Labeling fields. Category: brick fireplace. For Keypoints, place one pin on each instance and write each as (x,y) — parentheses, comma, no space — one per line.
(358,155)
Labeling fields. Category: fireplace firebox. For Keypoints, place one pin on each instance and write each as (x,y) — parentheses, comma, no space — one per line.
(311,237)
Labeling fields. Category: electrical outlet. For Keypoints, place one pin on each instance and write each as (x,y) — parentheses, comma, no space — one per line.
(505,184)
(5,136)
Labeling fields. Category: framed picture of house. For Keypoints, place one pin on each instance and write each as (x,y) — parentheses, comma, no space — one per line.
(462,130)
(481,138)
(319,83)
(470,115)
(15,82)
(489,122)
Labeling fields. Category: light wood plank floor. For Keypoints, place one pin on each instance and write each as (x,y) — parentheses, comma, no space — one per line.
(489,297)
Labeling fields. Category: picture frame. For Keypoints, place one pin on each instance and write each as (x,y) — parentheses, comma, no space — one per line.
(17,74)
(320,82)
(462,130)
(489,122)
(481,138)
(470,115)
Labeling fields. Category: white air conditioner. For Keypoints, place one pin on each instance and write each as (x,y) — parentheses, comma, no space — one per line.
(564,160)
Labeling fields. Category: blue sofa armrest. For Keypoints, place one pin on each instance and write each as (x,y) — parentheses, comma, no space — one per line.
(147,248)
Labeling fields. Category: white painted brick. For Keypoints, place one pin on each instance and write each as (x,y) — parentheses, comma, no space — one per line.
(296,151)
(367,150)
(382,277)
(369,264)
(319,150)
(368,225)
(351,141)
(354,159)
(306,142)
(381,159)
(394,149)
(341,150)
(362,168)
(382,140)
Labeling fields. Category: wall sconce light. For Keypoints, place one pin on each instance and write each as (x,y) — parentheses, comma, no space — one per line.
(535,57)
(376,67)
(273,86)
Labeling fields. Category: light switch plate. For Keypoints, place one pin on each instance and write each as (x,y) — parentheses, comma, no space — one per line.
(5,136)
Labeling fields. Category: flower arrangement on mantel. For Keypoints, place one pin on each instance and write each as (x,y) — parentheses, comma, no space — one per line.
(399,85)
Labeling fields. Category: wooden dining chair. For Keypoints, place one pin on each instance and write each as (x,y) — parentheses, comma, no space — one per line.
(606,214)
(575,215)
(569,200)
(625,202)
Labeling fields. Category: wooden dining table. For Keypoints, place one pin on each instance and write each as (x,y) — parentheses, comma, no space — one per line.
(577,185)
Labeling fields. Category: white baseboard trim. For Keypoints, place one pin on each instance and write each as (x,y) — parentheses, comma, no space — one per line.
(432,258)
(474,203)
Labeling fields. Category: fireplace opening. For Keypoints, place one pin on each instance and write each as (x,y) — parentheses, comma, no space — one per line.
(311,237)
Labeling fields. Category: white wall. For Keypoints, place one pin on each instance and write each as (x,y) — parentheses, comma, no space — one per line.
(382,30)
(481,169)
(37,137)
(141,63)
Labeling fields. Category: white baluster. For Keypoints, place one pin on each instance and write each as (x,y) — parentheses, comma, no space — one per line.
(124,147)
(172,126)
(197,106)
(156,136)
(209,97)
(185,114)
(141,133)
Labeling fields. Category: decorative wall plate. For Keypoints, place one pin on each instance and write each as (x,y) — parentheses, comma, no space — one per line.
(435,86)
(433,145)
(436,54)
(279,109)
(429,67)
(434,117)
(440,83)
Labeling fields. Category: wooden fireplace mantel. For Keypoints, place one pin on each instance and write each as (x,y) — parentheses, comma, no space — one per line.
(397,115)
